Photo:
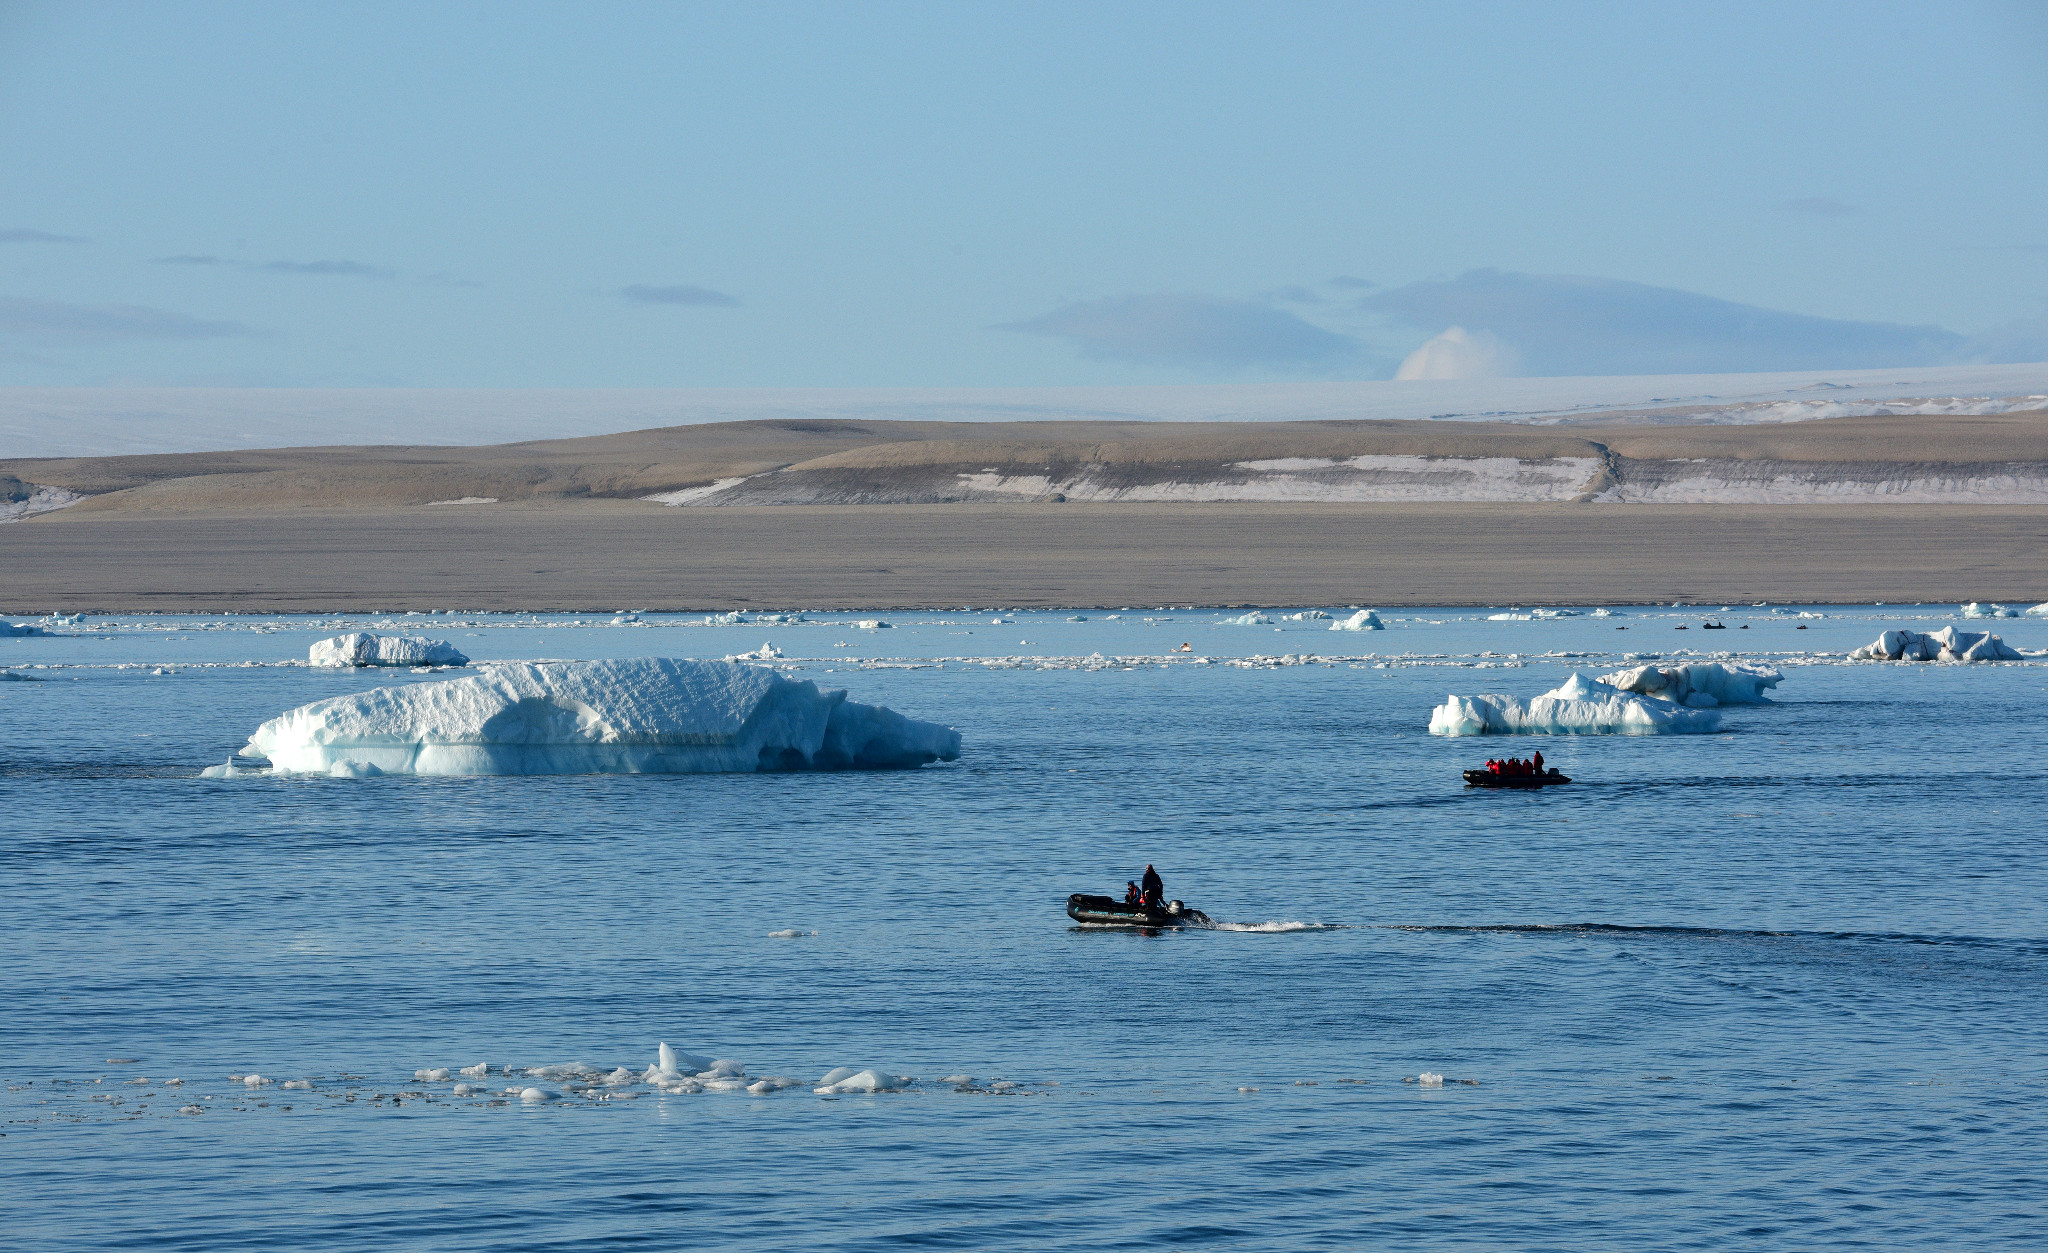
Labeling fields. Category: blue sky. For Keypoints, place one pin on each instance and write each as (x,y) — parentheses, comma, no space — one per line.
(464,195)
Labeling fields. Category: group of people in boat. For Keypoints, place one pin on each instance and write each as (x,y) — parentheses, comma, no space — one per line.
(1151,894)
(1516,768)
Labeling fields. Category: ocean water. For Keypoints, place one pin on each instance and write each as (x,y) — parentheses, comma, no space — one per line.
(1784,986)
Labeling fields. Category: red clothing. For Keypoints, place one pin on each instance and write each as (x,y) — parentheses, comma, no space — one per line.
(1537,763)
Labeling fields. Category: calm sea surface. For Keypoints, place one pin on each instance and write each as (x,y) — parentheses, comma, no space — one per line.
(1782,987)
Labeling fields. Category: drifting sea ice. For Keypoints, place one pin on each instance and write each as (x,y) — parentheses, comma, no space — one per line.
(1363,620)
(1702,685)
(1579,706)
(1975,610)
(2039,611)
(1306,615)
(1947,644)
(363,648)
(1254,618)
(632,716)
(21,628)
(860,1079)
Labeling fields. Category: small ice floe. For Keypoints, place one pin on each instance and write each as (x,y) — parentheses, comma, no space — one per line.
(437,1074)
(1363,620)
(1947,644)
(190,1109)
(773,1083)
(793,933)
(255,1081)
(537,1095)
(229,770)
(861,1079)
(1247,1090)
(782,619)
(477,1071)
(1532,615)
(298,1085)
(467,1089)
(1701,685)
(734,618)
(767,652)
(1079,617)
(2039,611)
(1975,610)
(20,629)
(872,624)
(1254,618)
(1606,613)
(957,1079)
(362,648)
(1430,1079)
(1578,706)
(1306,615)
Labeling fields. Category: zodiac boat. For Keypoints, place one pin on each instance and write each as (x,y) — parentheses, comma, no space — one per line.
(1106,911)
(1487,778)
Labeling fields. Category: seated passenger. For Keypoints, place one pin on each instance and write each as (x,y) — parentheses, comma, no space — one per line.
(1130,892)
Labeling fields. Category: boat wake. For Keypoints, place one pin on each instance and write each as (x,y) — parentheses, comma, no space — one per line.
(1278,928)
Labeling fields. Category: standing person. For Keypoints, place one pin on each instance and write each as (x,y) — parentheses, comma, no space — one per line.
(1151,888)
(1537,761)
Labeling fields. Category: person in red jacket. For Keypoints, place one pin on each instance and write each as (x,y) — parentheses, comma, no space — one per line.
(1536,762)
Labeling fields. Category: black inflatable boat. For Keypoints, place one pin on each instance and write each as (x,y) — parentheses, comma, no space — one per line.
(1106,911)
(1487,778)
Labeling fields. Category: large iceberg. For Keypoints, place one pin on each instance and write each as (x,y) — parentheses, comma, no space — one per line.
(1363,620)
(1579,706)
(363,648)
(1701,684)
(639,715)
(1947,644)
(2039,611)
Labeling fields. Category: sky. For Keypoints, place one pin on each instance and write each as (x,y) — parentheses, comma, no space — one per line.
(1004,195)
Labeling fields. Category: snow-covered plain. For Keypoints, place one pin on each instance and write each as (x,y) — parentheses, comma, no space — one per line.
(630,716)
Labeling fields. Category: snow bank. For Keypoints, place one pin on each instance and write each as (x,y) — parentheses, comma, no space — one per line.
(1947,644)
(363,648)
(1581,706)
(640,715)
(1702,685)
(1363,620)
(1975,610)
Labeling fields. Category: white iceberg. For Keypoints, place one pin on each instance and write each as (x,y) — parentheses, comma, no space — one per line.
(1532,615)
(363,648)
(1306,615)
(1975,610)
(1947,644)
(632,716)
(1702,685)
(1254,618)
(1580,706)
(1363,620)
(21,628)
(734,618)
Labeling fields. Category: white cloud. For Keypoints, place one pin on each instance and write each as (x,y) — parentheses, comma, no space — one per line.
(1460,354)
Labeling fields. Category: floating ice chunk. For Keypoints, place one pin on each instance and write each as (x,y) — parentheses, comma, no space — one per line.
(792,933)
(669,1062)
(298,1085)
(773,1083)
(1363,620)
(477,1071)
(872,624)
(1947,644)
(1606,613)
(438,1074)
(1254,618)
(190,1109)
(467,1089)
(723,1068)
(21,628)
(362,648)
(734,618)
(862,1079)
(2039,611)
(767,652)
(1532,615)
(537,1095)
(1306,615)
(255,1081)
(1975,610)
(1579,706)
(1430,1079)
(1702,685)
(644,715)
(957,1079)
(229,770)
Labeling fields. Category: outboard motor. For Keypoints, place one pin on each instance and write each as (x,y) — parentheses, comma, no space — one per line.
(1174,908)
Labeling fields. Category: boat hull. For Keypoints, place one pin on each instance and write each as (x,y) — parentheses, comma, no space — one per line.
(1486,778)
(1104,911)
